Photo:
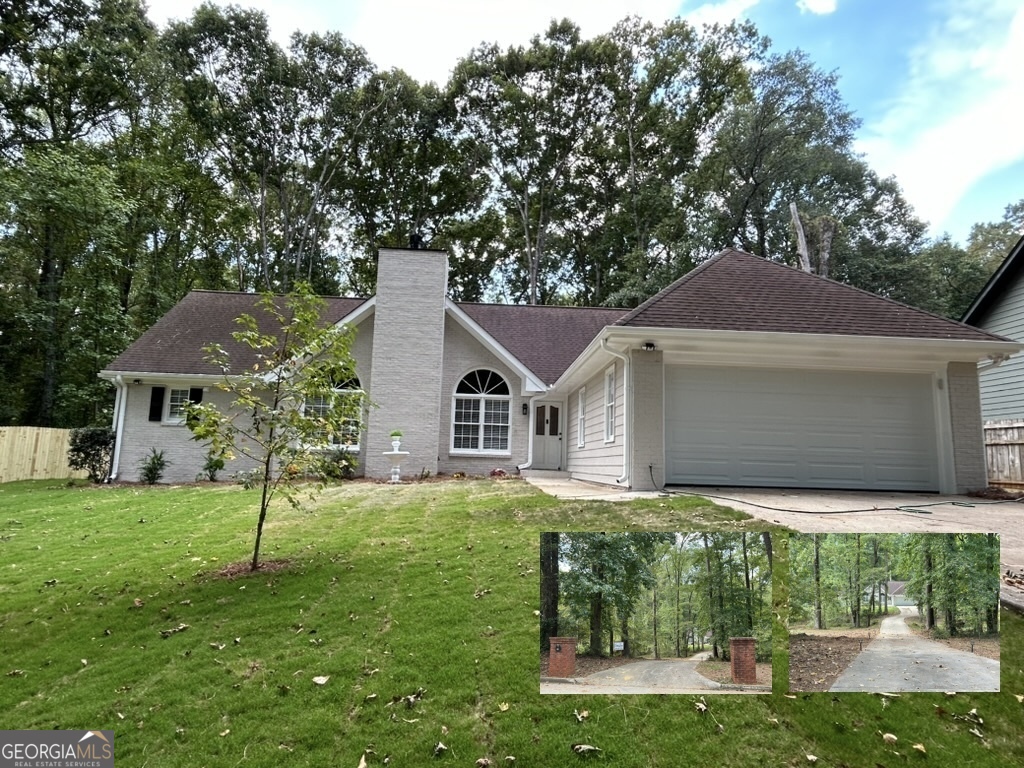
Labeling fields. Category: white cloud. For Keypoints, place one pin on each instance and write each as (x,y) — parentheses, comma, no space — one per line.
(950,128)
(719,13)
(817,7)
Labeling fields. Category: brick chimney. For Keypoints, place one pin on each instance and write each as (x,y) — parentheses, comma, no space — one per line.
(405,367)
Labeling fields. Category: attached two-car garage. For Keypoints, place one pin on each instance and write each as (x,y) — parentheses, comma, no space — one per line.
(745,426)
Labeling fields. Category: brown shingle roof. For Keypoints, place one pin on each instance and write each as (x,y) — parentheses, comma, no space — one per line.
(546,339)
(737,291)
(174,344)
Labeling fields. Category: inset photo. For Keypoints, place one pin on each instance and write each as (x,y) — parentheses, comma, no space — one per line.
(890,612)
(655,612)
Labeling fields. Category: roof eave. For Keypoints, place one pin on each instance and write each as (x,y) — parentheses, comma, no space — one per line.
(996,286)
(532,383)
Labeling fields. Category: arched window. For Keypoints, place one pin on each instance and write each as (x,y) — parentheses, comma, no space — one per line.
(347,394)
(480,413)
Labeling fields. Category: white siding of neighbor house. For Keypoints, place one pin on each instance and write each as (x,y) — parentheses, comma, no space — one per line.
(597,461)
(462,354)
(1002,387)
(966,426)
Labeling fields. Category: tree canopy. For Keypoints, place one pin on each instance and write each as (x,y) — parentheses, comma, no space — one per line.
(139,163)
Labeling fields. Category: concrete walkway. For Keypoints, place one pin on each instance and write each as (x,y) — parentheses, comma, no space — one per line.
(669,676)
(898,660)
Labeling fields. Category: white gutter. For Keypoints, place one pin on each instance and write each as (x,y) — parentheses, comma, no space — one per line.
(626,445)
(993,362)
(120,406)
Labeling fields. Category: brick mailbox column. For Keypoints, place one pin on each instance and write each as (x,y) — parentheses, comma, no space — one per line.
(562,662)
(743,660)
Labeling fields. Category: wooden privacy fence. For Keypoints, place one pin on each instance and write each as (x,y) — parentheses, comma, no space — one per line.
(1004,452)
(35,453)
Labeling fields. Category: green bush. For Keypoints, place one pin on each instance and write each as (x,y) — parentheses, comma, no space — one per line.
(214,464)
(336,464)
(91,449)
(151,468)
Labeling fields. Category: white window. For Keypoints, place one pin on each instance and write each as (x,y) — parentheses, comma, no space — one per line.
(347,395)
(177,401)
(609,405)
(480,413)
(581,418)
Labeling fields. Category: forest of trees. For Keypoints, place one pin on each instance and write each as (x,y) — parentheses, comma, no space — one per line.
(659,594)
(138,163)
(840,580)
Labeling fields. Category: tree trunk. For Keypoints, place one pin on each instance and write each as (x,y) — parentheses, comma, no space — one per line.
(548,588)
(766,537)
(656,622)
(802,251)
(746,582)
(929,607)
(992,611)
(857,586)
(818,623)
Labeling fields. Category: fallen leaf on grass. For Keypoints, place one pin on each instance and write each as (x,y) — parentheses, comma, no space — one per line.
(362,761)
(700,706)
(225,733)
(581,716)
(321,679)
(1019,698)
(85,662)
(16,673)
(920,748)
(584,749)
(218,646)
(888,738)
(503,706)
(439,749)
(484,762)
(165,633)
(812,759)
(977,733)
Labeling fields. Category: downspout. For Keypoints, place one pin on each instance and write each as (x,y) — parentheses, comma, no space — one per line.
(529,431)
(626,442)
(120,406)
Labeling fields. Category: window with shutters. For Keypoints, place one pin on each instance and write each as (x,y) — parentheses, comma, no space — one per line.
(169,405)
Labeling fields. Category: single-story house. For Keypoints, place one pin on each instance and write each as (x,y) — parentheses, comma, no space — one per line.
(742,372)
(999,309)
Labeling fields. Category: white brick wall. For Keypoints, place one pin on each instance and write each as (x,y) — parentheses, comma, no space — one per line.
(965,420)
(406,361)
(462,354)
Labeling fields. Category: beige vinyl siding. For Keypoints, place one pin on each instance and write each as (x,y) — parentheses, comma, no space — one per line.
(597,461)
(1002,387)
(462,354)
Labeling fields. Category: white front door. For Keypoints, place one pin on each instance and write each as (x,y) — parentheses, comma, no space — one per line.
(547,436)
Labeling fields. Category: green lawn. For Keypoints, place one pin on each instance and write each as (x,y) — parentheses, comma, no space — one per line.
(388,590)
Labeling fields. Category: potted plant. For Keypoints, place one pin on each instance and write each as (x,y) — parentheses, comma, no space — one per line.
(396,439)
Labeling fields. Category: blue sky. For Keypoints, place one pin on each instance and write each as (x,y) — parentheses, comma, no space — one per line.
(937,84)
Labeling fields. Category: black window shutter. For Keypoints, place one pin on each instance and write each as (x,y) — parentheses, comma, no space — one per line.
(195,395)
(156,403)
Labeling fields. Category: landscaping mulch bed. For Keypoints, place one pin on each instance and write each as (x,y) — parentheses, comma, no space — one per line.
(587,665)
(983,646)
(721,672)
(815,661)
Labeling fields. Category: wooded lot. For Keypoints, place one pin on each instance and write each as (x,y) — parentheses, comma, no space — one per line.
(139,163)
(661,594)
(845,579)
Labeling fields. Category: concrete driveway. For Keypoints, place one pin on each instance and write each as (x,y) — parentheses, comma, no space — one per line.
(898,660)
(665,676)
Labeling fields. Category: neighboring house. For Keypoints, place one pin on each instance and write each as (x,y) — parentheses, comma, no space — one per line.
(999,308)
(898,594)
(743,372)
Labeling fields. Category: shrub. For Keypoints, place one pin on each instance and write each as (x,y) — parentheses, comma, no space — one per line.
(214,464)
(335,464)
(151,468)
(91,449)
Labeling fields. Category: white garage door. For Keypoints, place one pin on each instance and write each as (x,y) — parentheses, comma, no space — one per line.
(801,429)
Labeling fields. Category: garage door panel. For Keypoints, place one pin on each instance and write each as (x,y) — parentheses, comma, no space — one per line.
(817,429)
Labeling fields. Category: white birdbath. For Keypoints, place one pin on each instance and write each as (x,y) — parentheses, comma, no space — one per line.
(395,456)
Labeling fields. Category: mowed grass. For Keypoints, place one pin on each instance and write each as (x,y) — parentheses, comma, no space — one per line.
(388,590)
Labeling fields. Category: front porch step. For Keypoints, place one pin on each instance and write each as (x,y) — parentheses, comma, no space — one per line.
(551,474)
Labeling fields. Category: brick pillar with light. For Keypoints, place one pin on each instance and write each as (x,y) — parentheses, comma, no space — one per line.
(562,661)
(743,660)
